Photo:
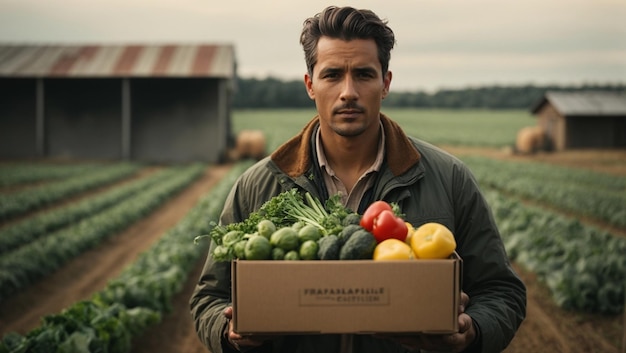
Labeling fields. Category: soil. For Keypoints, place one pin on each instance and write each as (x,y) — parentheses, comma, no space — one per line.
(547,328)
(91,271)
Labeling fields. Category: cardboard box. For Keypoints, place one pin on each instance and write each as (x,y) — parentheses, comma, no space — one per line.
(316,297)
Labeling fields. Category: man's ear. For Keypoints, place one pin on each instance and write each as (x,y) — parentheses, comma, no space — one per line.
(386,84)
(308,83)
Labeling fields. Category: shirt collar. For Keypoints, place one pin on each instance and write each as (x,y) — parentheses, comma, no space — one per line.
(323,162)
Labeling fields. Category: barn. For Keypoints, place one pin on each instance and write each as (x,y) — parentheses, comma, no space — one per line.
(585,119)
(155,103)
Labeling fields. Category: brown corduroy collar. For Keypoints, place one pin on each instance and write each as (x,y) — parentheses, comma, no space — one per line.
(294,157)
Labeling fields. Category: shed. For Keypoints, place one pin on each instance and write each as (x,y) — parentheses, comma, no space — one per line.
(153,103)
(584,119)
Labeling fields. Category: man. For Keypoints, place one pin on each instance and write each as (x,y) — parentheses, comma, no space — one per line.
(353,149)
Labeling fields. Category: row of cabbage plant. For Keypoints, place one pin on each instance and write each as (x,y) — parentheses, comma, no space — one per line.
(135,300)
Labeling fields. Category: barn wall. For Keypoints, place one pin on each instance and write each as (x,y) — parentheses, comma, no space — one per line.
(83,118)
(594,132)
(176,120)
(18,118)
(619,129)
(554,125)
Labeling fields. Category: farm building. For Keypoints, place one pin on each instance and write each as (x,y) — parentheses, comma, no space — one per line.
(573,120)
(153,103)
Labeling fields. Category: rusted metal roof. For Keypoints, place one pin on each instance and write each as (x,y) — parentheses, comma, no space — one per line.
(199,60)
(592,103)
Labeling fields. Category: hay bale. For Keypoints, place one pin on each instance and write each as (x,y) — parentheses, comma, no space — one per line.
(524,141)
(250,144)
(530,139)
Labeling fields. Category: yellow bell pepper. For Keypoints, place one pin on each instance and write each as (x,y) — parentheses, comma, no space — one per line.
(432,241)
(409,233)
(392,249)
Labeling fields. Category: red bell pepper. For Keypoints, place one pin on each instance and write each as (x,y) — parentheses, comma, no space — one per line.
(387,225)
(372,211)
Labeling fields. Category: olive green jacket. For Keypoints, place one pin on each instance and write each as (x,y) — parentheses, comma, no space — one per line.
(430,185)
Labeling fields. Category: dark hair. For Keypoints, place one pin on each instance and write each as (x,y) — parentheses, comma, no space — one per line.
(346,23)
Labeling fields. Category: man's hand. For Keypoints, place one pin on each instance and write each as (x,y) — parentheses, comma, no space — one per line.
(456,342)
(239,342)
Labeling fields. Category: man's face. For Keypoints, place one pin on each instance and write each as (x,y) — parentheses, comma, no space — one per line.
(348,85)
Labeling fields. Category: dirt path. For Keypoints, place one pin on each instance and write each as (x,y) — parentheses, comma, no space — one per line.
(91,271)
(176,332)
(548,328)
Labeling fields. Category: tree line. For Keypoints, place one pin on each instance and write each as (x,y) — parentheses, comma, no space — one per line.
(274,93)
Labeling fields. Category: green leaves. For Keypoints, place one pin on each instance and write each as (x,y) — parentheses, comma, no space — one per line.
(20,202)
(137,298)
(282,211)
(36,259)
(39,225)
(584,268)
(583,192)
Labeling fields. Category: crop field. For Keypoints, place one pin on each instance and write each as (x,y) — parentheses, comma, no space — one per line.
(99,257)
(440,127)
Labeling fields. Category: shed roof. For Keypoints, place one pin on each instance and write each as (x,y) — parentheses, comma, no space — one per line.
(167,60)
(591,103)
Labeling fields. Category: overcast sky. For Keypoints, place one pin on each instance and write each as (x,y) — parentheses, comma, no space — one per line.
(440,43)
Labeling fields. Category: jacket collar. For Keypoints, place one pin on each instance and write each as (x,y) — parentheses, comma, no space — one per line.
(294,156)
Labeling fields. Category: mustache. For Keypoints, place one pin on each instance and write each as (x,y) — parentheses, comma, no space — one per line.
(348,106)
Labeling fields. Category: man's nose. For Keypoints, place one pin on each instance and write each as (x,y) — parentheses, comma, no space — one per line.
(349,90)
